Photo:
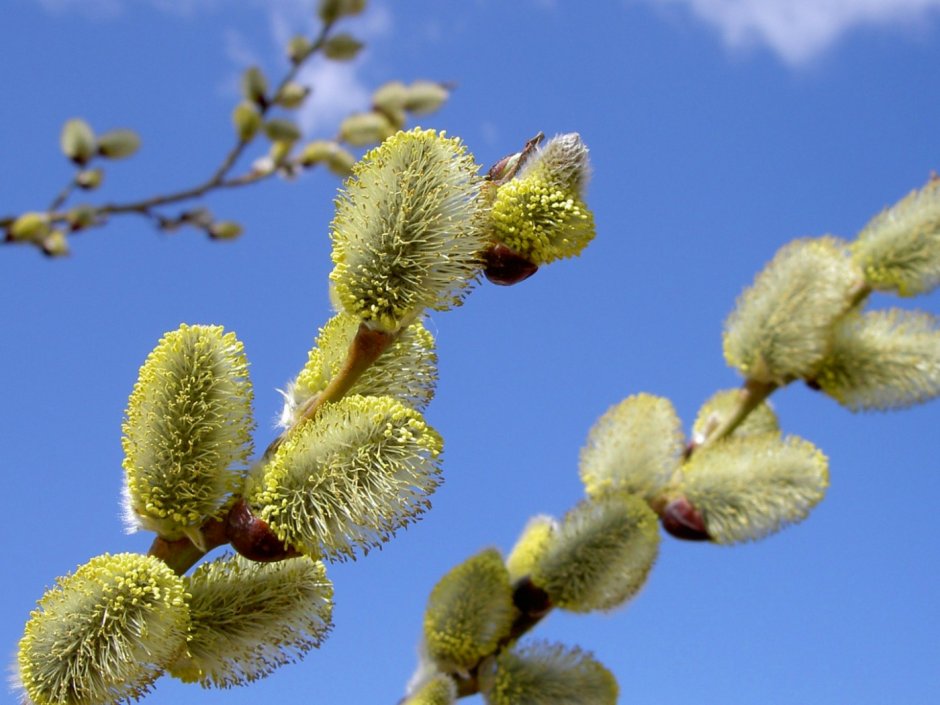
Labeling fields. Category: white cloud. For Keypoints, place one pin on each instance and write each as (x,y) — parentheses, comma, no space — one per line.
(799,30)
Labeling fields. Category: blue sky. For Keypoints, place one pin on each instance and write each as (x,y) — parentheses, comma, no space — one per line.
(719,130)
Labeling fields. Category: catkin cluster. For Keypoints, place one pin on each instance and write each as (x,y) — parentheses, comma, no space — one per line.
(356,461)
(736,478)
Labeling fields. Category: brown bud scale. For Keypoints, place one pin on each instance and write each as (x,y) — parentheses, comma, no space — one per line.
(682,520)
(253,538)
(505,267)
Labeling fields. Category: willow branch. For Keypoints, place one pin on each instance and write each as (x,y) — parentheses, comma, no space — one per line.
(220,177)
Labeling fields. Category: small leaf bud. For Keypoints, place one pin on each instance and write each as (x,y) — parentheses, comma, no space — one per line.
(396,117)
(298,49)
(505,267)
(255,85)
(281,130)
(292,95)
(30,227)
(199,217)
(80,217)
(225,230)
(118,144)
(342,47)
(332,10)
(722,404)
(77,141)
(279,152)
(247,120)
(424,97)
(89,179)
(55,244)
(390,96)
(363,129)
(337,159)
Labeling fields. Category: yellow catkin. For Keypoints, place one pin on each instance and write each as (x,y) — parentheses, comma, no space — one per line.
(746,488)
(634,447)
(469,611)
(600,555)
(347,479)
(104,633)
(406,235)
(250,618)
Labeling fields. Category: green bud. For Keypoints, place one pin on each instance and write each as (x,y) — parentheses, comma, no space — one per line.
(332,10)
(55,244)
(247,120)
(341,162)
(80,217)
(77,141)
(316,152)
(118,144)
(364,129)
(342,47)
(89,179)
(424,97)
(225,230)
(255,85)
(30,227)
(469,612)
(292,95)
(390,96)
(281,130)
(298,49)
(280,151)
(337,159)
